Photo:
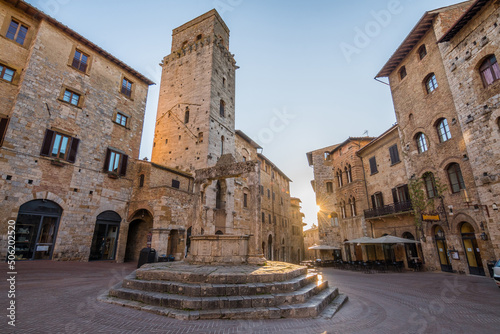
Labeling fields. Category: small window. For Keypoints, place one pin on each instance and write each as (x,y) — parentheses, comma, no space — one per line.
(373,165)
(431,83)
(115,162)
(80,61)
(59,146)
(268,193)
(17,32)
(402,73)
(329,187)
(274,195)
(455,177)
(71,97)
(490,71)
(421,143)
(263,217)
(245,200)
(422,52)
(126,87)
(328,156)
(3,128)
(222,108)
(186,116)
(339,178)
(141,180)
(121,119)
(262,190)
(6,73)
(222,146)
(270,221)
(430,184)
(394,154)
(443,130)
(176,184)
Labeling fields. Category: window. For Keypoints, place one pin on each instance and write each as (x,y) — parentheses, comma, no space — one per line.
(431,83)
(126,87)
(176,184)
(263,217)
(80,61)
(116,162)
(222,108)
(329,187)
(430,184)
(270,221)
(455,177)
(6,73)
(17,32)
(274,196)
(268,193)
(186,116)
(402,73)
(141,180)
(422,52)
(342,209)
(121,119)
(373,165)
(377,200)
(401,194)
(421,143)
(394,154)
(59,146)
(222,146)
(3,128)
(348,171)
(262,190)
(327,156)
(339,178)
(352,203)
(490,72)
(443,130)
(71,97)
(245,200)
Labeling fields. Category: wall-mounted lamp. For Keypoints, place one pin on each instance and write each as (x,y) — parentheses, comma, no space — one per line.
(483,236)
(440,234)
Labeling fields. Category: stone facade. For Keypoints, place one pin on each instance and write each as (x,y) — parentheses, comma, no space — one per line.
(297,225)
(311,238)
(436,144)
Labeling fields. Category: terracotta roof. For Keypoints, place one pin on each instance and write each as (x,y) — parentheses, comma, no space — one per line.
(463,20)
(350,139)
(248,139)
(269,162)
(364,148)
(38,14)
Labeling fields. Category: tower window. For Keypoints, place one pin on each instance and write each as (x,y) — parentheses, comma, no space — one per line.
(402,73)
(186,116)
(422,52)
(222,108)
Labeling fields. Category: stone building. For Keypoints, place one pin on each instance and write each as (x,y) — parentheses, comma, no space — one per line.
(75,186)
(341,195)
(436,146)
(469,50)
(311,238)
(70,128)
(297,225)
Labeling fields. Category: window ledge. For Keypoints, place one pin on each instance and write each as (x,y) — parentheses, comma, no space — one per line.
(123,126)
(374,173)
(69,104)
(9,82)
(74,68)
(126,96)
(16,43)
(396,163)
(57,163)
(113,175)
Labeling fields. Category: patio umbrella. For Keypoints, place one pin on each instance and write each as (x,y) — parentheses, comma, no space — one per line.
(363,240)
(390,239)
(323,247)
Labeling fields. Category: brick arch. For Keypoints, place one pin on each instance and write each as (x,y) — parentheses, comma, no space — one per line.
(446,162)
(460,218)
(39,195)
(137,211)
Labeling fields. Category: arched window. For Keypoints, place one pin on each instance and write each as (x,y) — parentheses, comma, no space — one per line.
(430,83)
(348,173)
(422,52)
(402,73)
(352,203)
(490,72)
(421,143)
(186,116)
(339,178)
(455,177)
(221,145)
(218,196)
(342,209)
(222,108)
(443,130)
(430,184)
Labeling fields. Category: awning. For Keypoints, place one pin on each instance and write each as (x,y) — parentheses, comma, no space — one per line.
(323,247)
(390,239)
(363,240)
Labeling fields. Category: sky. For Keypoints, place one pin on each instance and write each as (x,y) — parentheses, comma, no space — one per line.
(307,68)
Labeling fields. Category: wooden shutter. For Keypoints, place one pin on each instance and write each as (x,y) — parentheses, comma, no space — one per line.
(406,192)
(47,143)
(373,165)
(395,195)
(393,151)
(106,160)
(3,129)
(73,149)
(374,204)
(123,168)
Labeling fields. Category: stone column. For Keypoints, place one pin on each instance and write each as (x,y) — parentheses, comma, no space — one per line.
(159,240)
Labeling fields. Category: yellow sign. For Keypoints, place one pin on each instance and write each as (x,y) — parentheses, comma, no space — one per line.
(430,217)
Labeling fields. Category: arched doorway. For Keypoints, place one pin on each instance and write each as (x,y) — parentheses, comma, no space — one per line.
(270,247)
(105,238)
(471,249)
(36,230)
(139,235)
(411,250)
(442,249)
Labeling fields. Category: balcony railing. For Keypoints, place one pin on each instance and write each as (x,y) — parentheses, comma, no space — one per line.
(389,209)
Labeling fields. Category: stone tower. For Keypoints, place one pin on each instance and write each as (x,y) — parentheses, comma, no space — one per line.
(195,118)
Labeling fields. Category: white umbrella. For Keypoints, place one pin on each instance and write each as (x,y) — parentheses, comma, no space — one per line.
(390,239)
(363,240)
(323,247)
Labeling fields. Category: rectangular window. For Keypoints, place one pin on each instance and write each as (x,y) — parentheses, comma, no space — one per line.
(373,165)
(377,200)
(245,200)
(263,217)
(71,97)
(176,184)
(59,146)
(17,32)
(80,61)
(274,196)
(121,119)
(6,73)
(3,128)
(126,87)
(401,194)
(329,187)
(115,162)
(393,152)
(270,219)
(268,193)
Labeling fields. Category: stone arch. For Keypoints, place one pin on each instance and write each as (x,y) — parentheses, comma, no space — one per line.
(461,218)
(140,225)
(43,195)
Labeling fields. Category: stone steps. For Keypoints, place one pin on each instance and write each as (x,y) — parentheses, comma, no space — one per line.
(311,308)
(218,290)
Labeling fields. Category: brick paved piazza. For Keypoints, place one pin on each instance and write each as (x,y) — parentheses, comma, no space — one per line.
(60,297)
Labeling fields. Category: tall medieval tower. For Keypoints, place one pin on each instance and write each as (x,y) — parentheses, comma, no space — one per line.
(195,122)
